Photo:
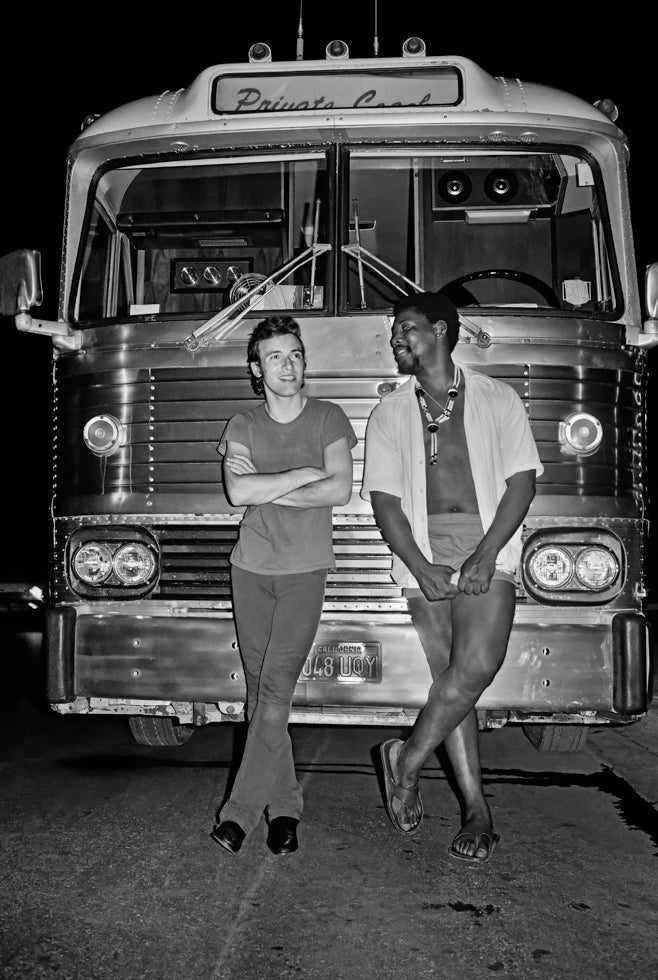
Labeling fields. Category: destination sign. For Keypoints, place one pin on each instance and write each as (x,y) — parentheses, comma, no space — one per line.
(324,91)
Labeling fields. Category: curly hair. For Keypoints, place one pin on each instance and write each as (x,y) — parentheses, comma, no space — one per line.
(435,306)
(272,326)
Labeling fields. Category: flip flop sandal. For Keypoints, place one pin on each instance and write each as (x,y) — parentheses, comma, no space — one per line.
(409,797)
(479,841)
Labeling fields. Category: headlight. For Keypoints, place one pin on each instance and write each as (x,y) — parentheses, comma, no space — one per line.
(92,562)
(551,567)
(579,565)
(596,568)
(581,433)
(104,435)
(134,564)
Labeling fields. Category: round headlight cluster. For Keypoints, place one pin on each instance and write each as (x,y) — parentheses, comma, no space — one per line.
(593,568)
(551,567)
(596,568)
(581,433)
(92,563)
(104,435)
(132,563)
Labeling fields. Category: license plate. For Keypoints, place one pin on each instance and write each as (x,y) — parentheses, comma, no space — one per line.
(348,663)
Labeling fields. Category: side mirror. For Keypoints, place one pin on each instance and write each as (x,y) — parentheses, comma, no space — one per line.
(645,335)
(20,282)
(651,290)
(20,290)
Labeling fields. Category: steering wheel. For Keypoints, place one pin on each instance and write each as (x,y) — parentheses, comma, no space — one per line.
(455,291)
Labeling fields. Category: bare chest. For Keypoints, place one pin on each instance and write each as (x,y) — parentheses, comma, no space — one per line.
(449,480)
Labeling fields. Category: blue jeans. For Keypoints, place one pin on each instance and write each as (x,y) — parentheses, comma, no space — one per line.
(276,618)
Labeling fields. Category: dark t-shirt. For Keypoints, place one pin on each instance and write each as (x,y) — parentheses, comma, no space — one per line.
(276,540)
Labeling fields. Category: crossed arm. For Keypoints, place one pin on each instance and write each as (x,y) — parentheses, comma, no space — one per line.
(478,569)
(305,486)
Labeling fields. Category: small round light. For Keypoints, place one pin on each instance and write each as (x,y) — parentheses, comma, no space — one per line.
(337,49)
(189,275)
(89,120)
(104,435)
(134,564)
(260,52)
(581,432)
(551,567)
(608,108)
(413,47)
(92,563)
(596,568)
(212,275)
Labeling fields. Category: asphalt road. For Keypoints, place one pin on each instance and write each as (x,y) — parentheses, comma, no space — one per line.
(108,870)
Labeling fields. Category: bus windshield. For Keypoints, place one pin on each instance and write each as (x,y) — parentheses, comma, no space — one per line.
(191,238)
(504,229)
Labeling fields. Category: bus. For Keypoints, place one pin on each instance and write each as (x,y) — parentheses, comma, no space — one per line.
(325,190)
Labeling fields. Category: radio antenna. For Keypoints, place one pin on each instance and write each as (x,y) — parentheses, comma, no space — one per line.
(375,41)
(300,35)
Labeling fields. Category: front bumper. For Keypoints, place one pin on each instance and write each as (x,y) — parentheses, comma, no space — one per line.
(558,662)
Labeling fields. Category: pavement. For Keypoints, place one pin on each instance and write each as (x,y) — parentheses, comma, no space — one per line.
(631,752)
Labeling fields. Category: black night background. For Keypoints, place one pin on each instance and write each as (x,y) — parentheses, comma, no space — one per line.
(63,61)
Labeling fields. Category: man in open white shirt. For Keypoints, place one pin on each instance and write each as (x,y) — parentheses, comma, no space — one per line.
(450,470)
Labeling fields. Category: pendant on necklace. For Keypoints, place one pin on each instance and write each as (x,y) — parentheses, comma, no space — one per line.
(433,424)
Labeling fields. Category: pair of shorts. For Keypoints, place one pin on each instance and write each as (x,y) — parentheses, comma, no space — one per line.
(453,539)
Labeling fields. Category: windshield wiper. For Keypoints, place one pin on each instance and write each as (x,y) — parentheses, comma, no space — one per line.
(373,262)
(376,264)
(358,252)
(224,322)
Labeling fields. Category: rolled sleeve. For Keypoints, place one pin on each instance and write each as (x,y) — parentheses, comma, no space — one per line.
(337,426)
(237,429)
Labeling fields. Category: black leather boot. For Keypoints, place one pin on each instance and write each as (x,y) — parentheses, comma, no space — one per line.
(282,835)
(230,835)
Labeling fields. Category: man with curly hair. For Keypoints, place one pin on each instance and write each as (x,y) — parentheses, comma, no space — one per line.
(288,460)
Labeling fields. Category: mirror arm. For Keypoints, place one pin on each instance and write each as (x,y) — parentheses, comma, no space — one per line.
(59,330)
(646,337)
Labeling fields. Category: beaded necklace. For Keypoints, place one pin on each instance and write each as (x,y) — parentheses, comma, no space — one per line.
(434,423)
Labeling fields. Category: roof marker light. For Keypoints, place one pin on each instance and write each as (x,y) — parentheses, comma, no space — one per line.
(260,52)
(608,108)
(336,49)
(413,47)
(89,120)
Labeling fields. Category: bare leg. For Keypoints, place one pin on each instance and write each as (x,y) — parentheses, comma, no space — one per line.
(480,628)
(462,748)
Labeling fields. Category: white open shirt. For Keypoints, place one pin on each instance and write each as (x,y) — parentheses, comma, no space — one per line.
(499,441)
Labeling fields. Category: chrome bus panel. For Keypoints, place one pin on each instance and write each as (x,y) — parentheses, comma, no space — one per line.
(145,375)
(549,665)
